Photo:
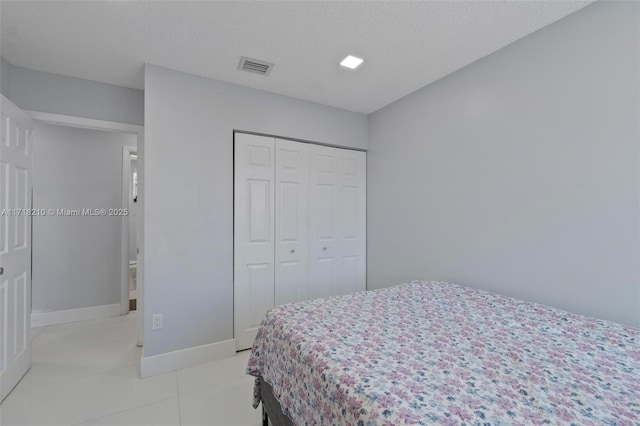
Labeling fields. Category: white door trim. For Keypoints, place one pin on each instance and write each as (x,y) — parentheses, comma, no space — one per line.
(112,126)
(124,250)
(84,123)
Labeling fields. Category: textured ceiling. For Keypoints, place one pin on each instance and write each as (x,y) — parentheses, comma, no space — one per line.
(406,45)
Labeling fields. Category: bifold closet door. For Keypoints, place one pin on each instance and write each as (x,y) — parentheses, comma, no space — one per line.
(292,222)
(299,226)
(353,221)
(337,221)
(324,221)
(254,234)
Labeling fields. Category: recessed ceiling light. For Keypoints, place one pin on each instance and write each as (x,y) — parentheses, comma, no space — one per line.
(351,62)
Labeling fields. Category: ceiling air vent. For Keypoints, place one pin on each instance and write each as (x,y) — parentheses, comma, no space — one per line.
(255,66)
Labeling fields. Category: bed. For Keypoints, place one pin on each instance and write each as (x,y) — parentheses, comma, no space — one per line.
(436,353)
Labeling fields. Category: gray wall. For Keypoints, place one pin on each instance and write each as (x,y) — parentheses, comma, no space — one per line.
(5,77)
(53,93)
(76,260)
(519,173)
(188,210)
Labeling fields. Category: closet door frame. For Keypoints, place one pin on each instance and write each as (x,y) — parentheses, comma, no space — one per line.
(246,313)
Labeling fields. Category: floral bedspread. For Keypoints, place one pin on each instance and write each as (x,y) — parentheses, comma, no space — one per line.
(436,353)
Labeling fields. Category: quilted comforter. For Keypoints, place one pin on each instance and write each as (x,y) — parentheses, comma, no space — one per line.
(436,353)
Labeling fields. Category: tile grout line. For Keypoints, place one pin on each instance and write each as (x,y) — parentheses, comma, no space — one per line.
(224,382)
(121,412)
(67,380)
(178,397)
(217,385)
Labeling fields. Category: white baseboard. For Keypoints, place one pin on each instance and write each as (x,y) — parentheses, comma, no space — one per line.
(40,319)
(171,361)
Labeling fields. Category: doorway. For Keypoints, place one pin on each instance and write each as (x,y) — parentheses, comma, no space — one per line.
(136,132)
(129,229)
(66,249)
(76,268)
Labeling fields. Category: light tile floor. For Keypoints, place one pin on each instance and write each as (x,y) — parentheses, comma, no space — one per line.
(86,373)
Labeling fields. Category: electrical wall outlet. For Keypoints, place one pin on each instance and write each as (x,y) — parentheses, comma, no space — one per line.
(156,322)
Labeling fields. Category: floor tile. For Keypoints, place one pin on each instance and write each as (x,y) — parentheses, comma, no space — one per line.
(213,373)
(163,413)
(86,373)
(228,405)
(71,351)
(86,398)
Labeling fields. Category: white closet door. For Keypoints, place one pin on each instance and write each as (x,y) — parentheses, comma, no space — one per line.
(253,234)
(292,222)
(337,219)
(324,221)
(353,226)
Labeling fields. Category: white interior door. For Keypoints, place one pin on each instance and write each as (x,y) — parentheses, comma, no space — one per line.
(353,226)
(324,221)
(253,234)
(337,216)
(292,222)
(15,246)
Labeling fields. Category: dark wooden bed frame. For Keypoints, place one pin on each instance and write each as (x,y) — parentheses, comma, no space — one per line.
(271,409)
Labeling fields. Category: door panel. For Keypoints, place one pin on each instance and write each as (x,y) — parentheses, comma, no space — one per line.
(325,210)
(260,291)
(350,217)
(327,274)
(292,222)
(349,277)
(326,163)
(4,200)
(258,207)
(22,189)
(353,245)
(20,329)
(289,276)
(289,222)
(324,217)
(253,234)
(15,245)
(350,166)
(22,138)
(337,220)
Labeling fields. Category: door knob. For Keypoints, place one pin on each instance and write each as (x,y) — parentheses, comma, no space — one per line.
(1,270)
(324,249)
(293,251)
